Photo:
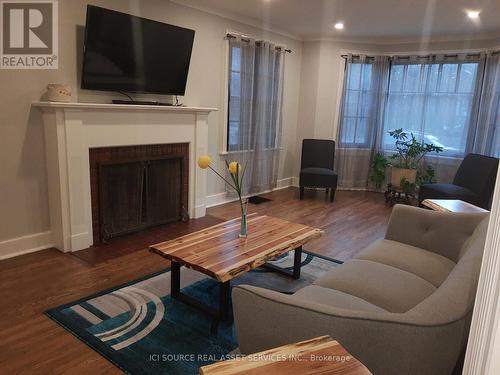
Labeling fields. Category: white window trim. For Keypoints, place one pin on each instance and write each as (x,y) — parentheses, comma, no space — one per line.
(483,348)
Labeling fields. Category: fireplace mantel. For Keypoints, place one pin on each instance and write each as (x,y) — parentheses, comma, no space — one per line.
(120,107)
(71,129)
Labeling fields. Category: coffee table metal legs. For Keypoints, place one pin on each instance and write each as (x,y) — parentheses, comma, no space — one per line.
(175,280)
(175,291)
(224,298)
(297,261)
(222,313)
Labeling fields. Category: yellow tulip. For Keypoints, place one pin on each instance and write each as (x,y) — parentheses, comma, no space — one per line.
(204,161)
(234,167)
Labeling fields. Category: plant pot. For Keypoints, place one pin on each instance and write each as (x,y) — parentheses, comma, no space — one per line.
(397,174)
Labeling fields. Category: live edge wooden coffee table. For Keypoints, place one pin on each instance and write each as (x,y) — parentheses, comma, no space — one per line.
(320,355)
(220,253)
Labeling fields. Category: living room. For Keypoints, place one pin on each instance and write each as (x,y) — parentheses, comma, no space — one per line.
(211,186)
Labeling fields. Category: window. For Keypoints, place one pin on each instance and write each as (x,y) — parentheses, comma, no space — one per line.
(255,97)
(434,101)
(234,122)
(358,99)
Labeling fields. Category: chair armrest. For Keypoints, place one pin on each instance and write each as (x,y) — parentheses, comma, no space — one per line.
(265,319)
(443,233)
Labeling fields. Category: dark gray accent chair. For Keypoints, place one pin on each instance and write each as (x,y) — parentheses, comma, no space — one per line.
(316,167)
(473,183)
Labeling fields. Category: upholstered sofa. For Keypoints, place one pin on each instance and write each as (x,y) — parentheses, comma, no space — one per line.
(402,306)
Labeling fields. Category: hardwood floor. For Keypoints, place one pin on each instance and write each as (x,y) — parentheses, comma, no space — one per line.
(352,222)
(30,343)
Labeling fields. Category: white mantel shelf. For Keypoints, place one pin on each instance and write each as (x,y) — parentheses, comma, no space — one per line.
(121,107)
(72,129)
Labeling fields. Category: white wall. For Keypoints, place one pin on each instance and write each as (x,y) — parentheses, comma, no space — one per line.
(23,181)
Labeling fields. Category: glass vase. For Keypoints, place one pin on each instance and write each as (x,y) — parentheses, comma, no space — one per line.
(243,223)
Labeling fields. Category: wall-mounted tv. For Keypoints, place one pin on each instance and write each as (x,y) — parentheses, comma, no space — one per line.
(132,54)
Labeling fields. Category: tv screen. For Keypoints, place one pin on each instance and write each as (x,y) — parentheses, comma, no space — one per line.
(134,54)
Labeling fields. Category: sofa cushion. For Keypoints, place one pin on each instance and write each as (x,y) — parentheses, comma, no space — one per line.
(332,297)
(387,287)
(429,266)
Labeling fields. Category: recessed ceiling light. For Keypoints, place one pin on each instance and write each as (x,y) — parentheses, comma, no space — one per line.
(473,14)
(339,26)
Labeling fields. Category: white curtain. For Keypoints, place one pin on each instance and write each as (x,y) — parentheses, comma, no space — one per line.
(487,138)
(255,105)
(365,87)
(436,98)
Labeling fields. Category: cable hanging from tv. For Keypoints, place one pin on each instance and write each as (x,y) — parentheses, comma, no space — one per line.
(132,101)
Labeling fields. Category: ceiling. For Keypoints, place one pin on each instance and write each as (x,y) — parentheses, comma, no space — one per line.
(364,20)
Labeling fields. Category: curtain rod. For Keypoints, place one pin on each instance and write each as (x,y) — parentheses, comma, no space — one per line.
(231,36)
(478,54)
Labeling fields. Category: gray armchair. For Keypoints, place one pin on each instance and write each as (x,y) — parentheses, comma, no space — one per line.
(403,306)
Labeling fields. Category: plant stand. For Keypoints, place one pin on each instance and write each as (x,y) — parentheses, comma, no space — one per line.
(395,194)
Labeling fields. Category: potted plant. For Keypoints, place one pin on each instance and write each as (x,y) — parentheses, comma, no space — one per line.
(406,161)
(379,164)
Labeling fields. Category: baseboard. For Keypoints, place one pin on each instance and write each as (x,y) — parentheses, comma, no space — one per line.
(218,199)
(284,183)
(222,198)
(199,211)
(80,241)
(26,244)
(40,241)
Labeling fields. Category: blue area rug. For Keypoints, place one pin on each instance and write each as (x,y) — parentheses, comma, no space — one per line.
(142,330)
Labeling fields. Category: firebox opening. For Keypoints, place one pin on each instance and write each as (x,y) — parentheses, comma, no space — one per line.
(136,195)
(137,187)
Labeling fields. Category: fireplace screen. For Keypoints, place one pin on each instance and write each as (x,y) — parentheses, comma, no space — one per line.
(138,194)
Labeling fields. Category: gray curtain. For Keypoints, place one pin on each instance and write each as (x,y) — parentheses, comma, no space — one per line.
(487,137)
(361,115)
(436,98)
(260,107)
(449,100)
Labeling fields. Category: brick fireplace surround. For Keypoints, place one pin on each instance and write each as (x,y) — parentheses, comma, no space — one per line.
(123,153)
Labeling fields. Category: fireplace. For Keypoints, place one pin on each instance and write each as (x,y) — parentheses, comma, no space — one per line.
(114,133)
(137,187)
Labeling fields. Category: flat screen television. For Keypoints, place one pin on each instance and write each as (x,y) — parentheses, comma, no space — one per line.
(132,54)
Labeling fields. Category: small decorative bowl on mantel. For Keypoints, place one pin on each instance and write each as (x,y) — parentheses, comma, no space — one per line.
(58,93)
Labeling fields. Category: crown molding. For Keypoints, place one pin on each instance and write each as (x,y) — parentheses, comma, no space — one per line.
(244,20)
(410,40)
